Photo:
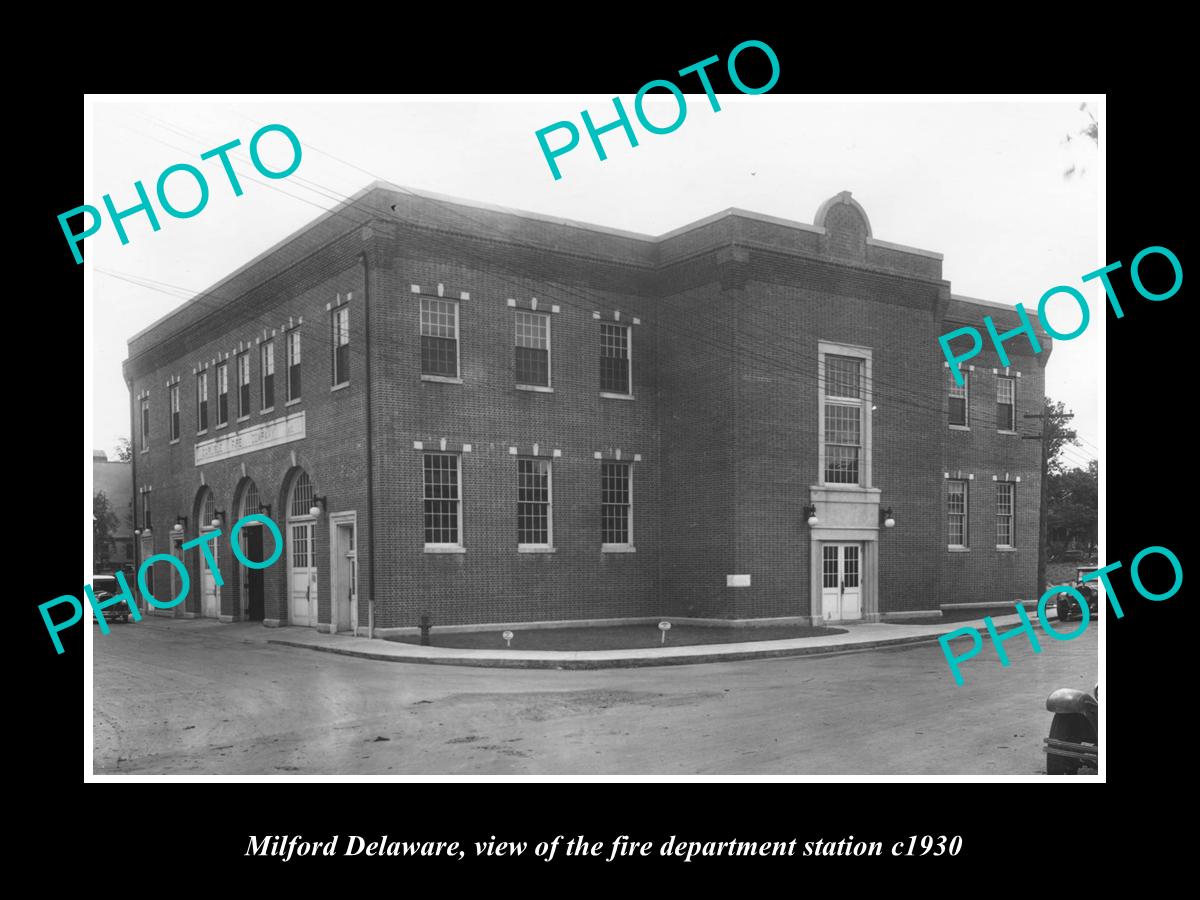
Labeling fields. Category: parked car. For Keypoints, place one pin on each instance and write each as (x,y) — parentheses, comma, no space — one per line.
(1073,740)
(106,587)
(1068,606)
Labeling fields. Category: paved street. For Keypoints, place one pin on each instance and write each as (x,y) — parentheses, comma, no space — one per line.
(196,697)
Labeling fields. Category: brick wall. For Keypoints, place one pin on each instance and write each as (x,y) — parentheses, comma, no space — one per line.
(724,417)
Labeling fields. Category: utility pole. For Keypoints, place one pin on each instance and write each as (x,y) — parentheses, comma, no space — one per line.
(1044,437)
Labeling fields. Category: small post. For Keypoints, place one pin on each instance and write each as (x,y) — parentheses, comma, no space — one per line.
(508,636)
(663,628)
(425,630)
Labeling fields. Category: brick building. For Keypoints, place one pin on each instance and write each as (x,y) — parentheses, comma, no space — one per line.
(489,417)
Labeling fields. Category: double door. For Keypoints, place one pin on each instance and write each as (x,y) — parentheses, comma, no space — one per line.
(841,582)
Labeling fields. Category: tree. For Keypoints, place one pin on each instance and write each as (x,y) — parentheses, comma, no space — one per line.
(1055,435)
(124,450)
(104,523)
(1091,131)
(1072,499)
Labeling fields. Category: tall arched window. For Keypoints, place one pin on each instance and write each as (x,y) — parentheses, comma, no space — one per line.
(251,504)
(302,496)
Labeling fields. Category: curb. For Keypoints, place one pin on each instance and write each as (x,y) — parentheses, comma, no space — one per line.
(628,663)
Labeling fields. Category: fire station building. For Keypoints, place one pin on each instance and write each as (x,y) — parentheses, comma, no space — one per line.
(492,417)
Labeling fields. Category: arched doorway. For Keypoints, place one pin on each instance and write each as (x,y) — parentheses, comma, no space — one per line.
(210,591)
(252,546)
(302,552)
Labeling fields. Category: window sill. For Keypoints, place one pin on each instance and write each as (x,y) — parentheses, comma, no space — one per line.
(176,441)
(533,548)
(1004,431)
(441,379)
(202,432)
(145,450)
(537,388)
(269,409)
(219,427)
(607,395)
(954,549)
(436,548)
(245,418)
(1006,549)
(293,402)
(339,387)
(960,427)
(617,548)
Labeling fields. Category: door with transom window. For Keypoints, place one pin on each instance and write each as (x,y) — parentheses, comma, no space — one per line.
(302,553)
(841,582)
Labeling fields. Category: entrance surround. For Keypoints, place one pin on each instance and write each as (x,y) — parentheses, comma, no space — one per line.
(845,514)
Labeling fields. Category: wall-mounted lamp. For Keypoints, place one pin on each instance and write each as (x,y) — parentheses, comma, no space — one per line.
(885,518)
(318,505)
(138,532)
(264,509)
(810,513)
(218,516)
(180,524)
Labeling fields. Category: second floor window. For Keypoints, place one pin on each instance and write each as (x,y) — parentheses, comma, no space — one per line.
(293,365)
(243,371)
(146,524)
(1005,492)
(145,424)
(442,498)
(340,321)
(534,525)
(956,511)
(614,359)
(202,401)
(616,505)
(533,349)
(843,419)
(268,374)
(959,399)
(439,337)
(222,394)
(173,398)
(1006,403)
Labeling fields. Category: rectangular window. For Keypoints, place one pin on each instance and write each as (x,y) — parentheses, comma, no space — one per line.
(439,337)
(533,349)
(293,364)
(202,401)
(268,375)
(243,373)
(340,322)
(534,521)
(959,398)
(145,424)
(1006,403)
(146,524)
(843,419)
(614,359)
(1005,491)
(616,505)
(829,566)
(222,394)
(442,499)
(173,398)
(956,511)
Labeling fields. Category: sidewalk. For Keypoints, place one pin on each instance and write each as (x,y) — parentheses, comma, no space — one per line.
(857,638)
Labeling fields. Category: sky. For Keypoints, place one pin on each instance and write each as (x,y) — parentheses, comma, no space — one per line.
(980,182)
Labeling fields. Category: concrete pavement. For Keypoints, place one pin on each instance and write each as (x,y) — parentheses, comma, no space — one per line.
(859,636)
